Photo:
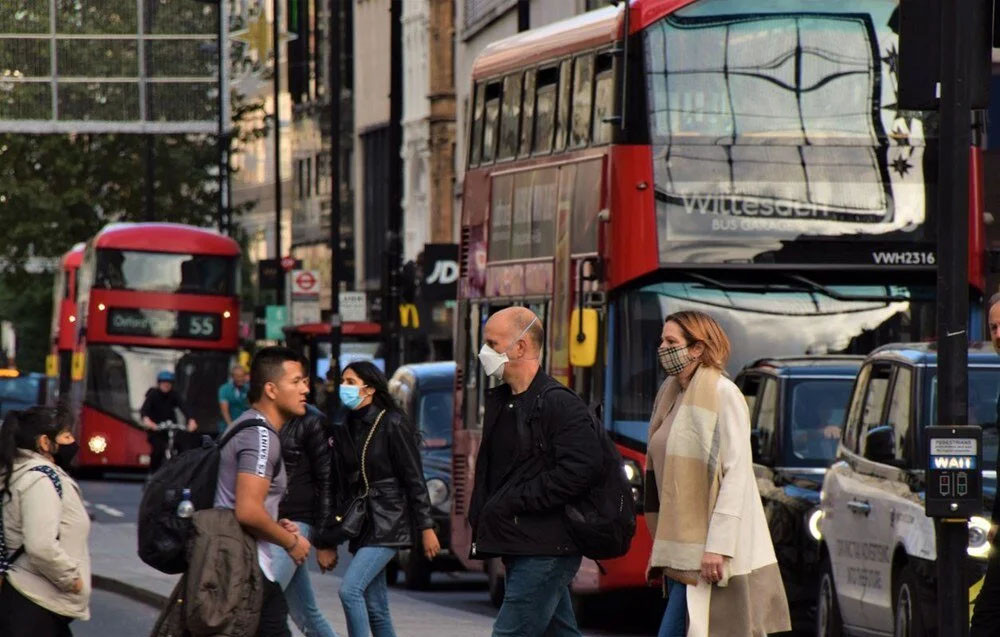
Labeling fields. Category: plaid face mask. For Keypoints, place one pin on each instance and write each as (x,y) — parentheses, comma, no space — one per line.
(673,359)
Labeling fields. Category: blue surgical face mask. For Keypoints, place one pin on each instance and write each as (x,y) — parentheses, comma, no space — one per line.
(350,396)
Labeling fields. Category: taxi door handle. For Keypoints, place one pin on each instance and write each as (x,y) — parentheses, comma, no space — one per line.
(857,506)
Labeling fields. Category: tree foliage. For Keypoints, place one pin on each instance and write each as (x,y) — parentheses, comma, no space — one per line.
(58,190)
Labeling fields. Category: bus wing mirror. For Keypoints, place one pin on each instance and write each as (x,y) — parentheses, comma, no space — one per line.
(583,337)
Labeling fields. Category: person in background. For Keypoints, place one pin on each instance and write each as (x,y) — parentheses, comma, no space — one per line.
(986,613)
(161,405)
(43,537)
(711,543)
(308,503)
(252,478)
(233,397)
(398,504)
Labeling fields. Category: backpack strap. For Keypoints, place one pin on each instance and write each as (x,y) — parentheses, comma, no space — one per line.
(7,562)
(247,424)
(536,414)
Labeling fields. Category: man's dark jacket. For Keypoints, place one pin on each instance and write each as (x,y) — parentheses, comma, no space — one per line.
(308,459)
(398,504)
(557,461)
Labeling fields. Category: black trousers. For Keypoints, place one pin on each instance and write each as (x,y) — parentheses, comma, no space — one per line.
(273,612)
(21,617)
(986,616)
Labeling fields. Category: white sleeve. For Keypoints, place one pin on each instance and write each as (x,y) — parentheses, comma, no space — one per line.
(737,469)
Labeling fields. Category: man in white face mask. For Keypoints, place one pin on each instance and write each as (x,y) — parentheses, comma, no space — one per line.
(539,452)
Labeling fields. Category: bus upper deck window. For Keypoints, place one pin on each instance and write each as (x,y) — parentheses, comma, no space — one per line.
(565,97)
(476,150)
(527,113)
(510,117)
(491,120)
(583,85)
(545,108)
(604,97)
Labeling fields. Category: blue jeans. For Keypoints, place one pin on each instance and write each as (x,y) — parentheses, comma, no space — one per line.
(674,622)
(294,580)
(536,601)
(364,593)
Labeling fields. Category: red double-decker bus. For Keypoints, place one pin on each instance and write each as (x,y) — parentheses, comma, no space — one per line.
(63,329)
(150,297)
(744,159)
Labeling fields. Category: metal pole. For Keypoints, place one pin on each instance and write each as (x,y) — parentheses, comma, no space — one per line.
(221,137)
(150,161)
(394,243)
(336,258)
(953,291)
(275,34)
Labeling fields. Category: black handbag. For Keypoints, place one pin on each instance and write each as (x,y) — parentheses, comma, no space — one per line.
(350,522)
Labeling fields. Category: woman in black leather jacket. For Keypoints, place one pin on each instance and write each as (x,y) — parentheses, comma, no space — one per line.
(398,504)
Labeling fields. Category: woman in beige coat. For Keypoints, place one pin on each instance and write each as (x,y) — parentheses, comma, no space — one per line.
(43,546)
(710,538)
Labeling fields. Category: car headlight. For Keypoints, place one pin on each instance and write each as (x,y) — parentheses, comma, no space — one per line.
(438,491)
(813,519)
(979,529)
(633,473)
(97,444)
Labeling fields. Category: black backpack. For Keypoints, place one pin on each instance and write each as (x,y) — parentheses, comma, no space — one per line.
(602,522)
(163,536)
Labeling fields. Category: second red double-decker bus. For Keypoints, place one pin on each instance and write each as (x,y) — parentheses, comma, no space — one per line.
(63,329)
(150,297)
(747,159)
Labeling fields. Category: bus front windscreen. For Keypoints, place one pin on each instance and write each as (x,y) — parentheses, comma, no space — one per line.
(118,378)
(770,121)
(165,272)
(786,316)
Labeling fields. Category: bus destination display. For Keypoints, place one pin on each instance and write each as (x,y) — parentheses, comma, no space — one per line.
(164,324)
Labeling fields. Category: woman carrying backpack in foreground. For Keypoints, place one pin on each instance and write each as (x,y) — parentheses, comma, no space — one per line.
(43,538)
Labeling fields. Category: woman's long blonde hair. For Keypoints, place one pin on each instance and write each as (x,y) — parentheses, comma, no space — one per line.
(699,327)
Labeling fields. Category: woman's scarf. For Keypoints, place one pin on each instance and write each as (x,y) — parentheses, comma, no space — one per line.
(691,474)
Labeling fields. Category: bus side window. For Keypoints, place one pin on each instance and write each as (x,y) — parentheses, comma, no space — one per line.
(586,205)
(528,113)
(476,149)
(491,120)
(510,117)
(565,96)
(547,82)
(604,97)
(583,85)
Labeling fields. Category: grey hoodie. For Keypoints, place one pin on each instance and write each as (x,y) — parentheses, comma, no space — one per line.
(54,533)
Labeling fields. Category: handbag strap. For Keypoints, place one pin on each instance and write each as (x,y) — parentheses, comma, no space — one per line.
(364,451)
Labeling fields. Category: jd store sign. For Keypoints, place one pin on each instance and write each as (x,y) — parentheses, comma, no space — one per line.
(440,272)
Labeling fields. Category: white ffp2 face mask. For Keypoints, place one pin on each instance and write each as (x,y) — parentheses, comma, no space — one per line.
(494,362)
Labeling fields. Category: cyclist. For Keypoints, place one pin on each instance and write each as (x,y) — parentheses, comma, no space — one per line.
(161,405)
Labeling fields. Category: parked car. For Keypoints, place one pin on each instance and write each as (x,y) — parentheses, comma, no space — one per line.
(425,391)
(20,391)
(877,547)
(797,407)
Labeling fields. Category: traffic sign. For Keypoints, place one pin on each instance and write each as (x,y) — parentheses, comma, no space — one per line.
(289,263)
(276,317)
(305,282)
(353,306)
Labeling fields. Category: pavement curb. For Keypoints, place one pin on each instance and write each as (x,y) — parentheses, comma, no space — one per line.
(130,591)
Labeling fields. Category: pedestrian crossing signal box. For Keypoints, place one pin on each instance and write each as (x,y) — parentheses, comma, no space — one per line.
(954,471)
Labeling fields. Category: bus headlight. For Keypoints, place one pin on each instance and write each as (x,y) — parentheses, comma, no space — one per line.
(979,529)
(633,473)
(437,490)
(97,444)
(813,519)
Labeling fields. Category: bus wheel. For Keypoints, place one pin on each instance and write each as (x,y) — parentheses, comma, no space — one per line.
(828,620)
(496,581)
(908,622)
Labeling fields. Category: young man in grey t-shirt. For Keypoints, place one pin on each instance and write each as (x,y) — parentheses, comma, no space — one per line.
(252,479)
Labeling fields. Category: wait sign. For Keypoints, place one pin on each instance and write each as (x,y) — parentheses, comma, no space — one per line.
(954,474)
